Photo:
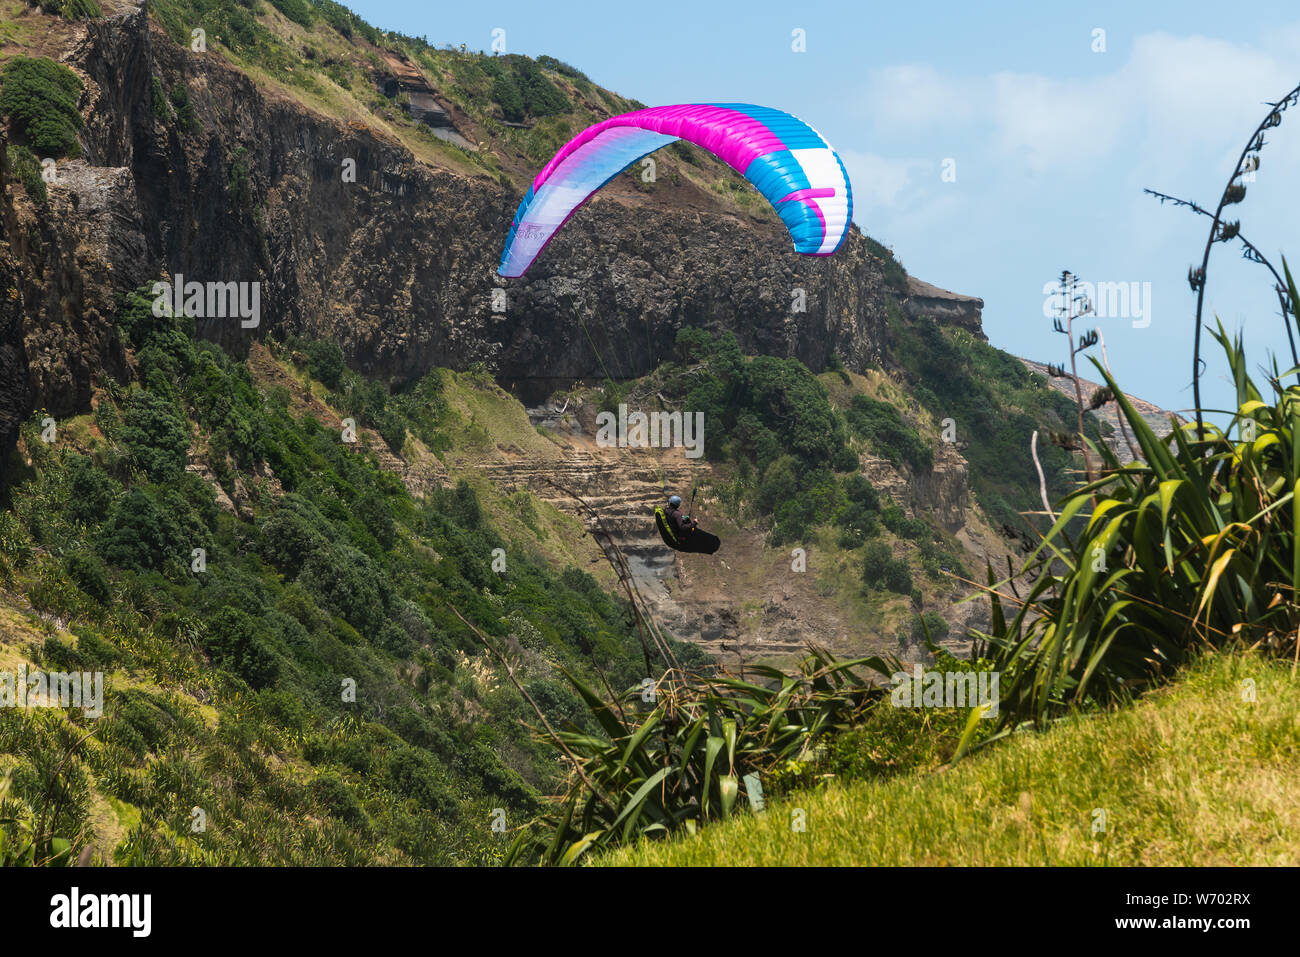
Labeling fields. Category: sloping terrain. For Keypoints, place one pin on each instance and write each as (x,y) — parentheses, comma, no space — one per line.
(1108,414)
(1194,775)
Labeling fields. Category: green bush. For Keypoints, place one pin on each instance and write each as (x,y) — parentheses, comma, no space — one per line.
(415,775)
(338,800)
(896,520)
(559,66)
(325,363)
(144,721)
(898,577)
(299,11)
(183,107)
(929,626)
(875,562)
(72,9)
(90,491)
(881,425)
(139,535)
(506,94)
(234,642)
(93,650)
(91,576)
(155,437)
(40,98)
(26,168)
(58,655)
(881,570)
(895,274)
(158,100)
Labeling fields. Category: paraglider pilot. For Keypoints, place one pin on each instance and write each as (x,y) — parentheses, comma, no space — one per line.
(681,532)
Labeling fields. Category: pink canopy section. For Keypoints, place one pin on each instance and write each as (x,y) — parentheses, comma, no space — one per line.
(786,160)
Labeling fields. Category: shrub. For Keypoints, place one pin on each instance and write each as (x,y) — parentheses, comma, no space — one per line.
(338,800)
(40,98)
(235,643)
(895,274)
(932,622)
(90,491)
(414,774)
(349,584)
(325,363)
(881,570)
(72,9)
(26,168)
(184,108)
(875,562)
(506,94)
(296,10)
(91,576)
(881,425)
(148,721)
(139,535)
(896,520)
(155,437)
(93,650)
(374,514)
(898,577)
(289,537)
(158,100)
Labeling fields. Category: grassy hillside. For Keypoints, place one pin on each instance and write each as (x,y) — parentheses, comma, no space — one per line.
(1192,775)
(273,609)
(212,540)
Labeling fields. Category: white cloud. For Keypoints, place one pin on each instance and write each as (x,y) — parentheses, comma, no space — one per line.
(911,97)
(878,180)
(1050,124)
(1172,95)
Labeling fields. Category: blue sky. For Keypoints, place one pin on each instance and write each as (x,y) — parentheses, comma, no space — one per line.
(1051,142)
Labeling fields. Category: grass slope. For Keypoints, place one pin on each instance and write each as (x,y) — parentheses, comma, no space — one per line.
(1191,775)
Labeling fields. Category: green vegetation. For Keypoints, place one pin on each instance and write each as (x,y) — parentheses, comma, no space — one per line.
(881,570)
(72,9)
(778,427)
(895,274)
(232,635)
(158,100)
(996,404)
(675,759)
(183,108)
(521,89)
(26,168)
(882,426)
(1193,776)
(299,11)
(40,97)
(1197,546)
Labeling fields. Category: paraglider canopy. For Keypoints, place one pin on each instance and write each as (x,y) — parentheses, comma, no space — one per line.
(786,160)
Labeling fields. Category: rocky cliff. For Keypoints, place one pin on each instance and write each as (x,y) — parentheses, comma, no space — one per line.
(398,266)
(949,308)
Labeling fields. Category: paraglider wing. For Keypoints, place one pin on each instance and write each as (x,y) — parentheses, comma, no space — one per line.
(785,158)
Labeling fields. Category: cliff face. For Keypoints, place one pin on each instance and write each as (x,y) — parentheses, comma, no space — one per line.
(399,266)
(949,308)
